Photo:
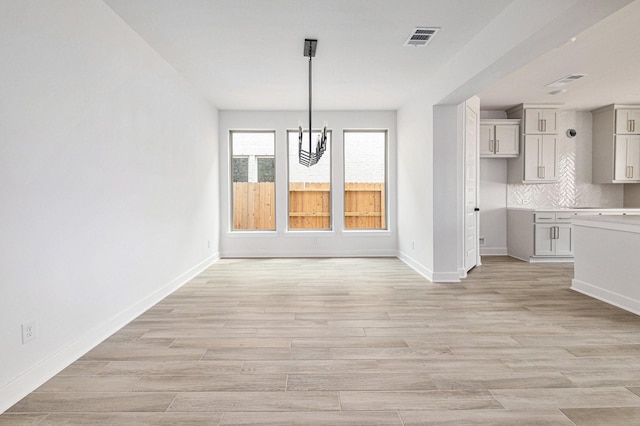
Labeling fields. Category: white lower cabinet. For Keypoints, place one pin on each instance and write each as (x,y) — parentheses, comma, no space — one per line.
(543,235)
(553,240)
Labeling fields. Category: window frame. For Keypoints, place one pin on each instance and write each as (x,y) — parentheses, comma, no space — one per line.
(328,155)
(386,227)
(231,229)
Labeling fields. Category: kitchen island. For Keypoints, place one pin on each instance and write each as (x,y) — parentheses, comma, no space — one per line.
(607,259)
(546,234)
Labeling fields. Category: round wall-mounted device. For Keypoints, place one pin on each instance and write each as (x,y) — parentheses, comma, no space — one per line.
(571,133)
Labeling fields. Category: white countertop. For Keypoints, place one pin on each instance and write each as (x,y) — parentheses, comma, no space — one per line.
(625,223)
(627,219)
(576,209)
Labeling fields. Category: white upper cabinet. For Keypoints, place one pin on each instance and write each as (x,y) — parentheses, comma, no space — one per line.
(499,138)
(627,158)
(616,144)
(538,162)
(540,154)
(627,121)
(540,121)
(487,135)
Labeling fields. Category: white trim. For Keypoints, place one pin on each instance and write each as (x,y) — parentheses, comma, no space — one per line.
(607,296)
(518,257)
(493,251)
(447,277)
(551,259)
(416,266)
(27,382)
(312,252)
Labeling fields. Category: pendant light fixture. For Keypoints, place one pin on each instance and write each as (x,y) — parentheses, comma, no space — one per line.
(311,157)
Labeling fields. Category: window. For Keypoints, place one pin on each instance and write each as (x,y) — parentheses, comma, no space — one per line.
(309,187)
(365,171)
(266,169)
(253,180)
(240,169)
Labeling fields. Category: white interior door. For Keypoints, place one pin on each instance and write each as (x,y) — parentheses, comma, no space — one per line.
(471,140)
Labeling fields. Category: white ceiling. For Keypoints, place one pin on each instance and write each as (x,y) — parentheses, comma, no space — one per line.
(608,52)
(247,54)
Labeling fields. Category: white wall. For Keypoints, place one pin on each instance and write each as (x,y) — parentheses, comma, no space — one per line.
(493,206)
(632,195)
(282,242)
(415,186)
(493,199)
(108,182)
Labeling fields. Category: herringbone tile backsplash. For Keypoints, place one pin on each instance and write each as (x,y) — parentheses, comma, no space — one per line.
(574,187)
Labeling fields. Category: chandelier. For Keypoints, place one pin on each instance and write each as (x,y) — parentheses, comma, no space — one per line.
(310,157)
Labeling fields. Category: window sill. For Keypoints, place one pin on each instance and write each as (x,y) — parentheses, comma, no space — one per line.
(252,234)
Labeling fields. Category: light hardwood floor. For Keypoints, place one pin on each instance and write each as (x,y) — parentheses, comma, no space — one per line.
(357,342)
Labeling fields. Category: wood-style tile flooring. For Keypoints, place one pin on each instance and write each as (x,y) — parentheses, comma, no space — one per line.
(357,342)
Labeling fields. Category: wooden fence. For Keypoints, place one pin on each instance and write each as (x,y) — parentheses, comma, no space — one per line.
(254,205)
(309,206)
(364,206)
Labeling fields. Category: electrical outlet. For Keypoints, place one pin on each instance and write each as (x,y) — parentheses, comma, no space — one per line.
(605,201)
(481,241)
(208,243)
(413,246)
(28,331)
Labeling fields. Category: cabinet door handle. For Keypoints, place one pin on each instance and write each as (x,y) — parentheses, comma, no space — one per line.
(545,125)
(490,145)
(497,145)
(540,124)
(541,172)
(631,167)
(633,126)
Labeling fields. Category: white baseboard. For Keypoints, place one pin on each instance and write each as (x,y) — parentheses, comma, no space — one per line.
(551,259)
(308,253)
(416,266)
(493,251)
(448,277)
(27,382)
(440,277)
(607,296)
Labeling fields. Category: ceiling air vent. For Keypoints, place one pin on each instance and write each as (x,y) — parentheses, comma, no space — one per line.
(421,36)
(566,80)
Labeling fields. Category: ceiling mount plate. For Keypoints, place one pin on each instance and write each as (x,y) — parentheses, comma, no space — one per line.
(310,47)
